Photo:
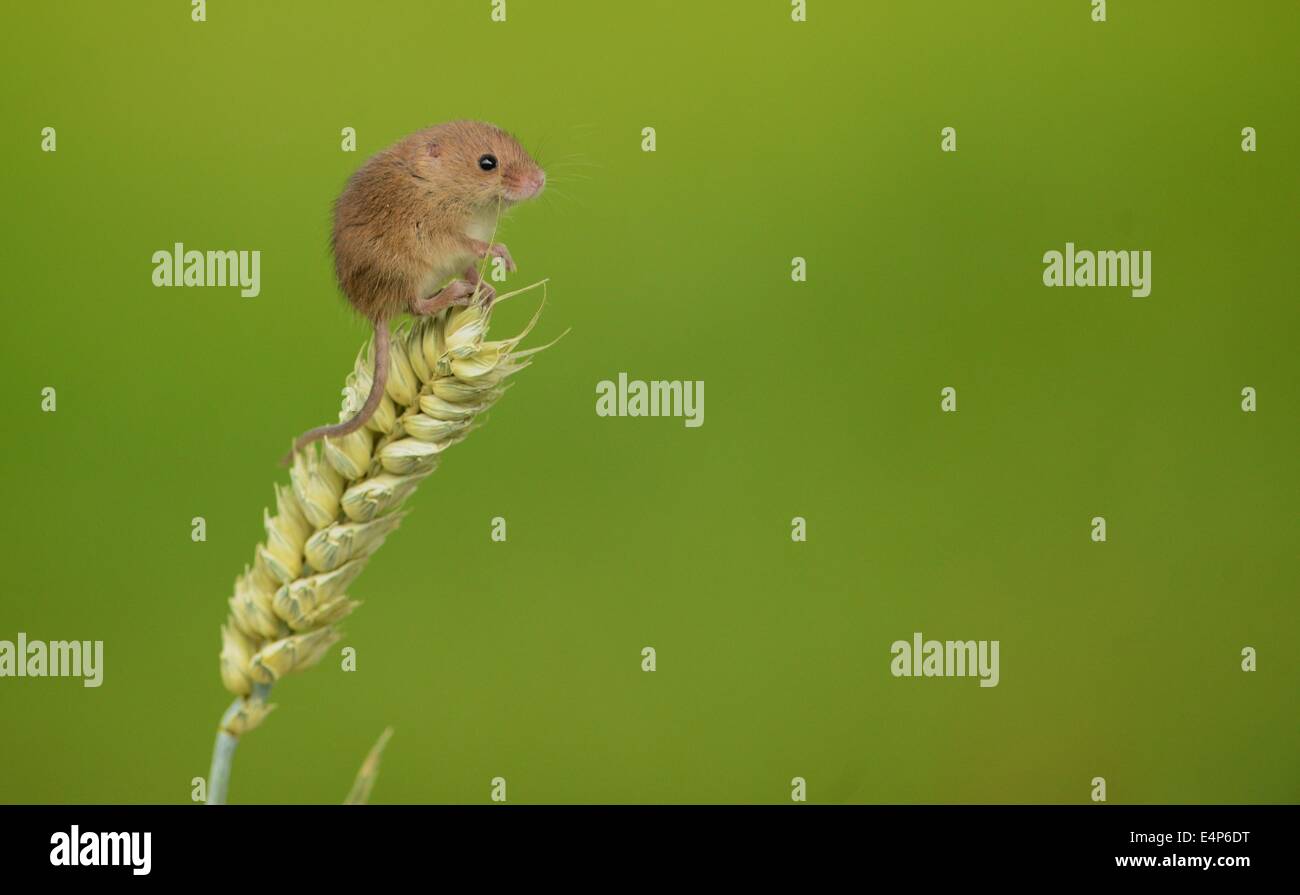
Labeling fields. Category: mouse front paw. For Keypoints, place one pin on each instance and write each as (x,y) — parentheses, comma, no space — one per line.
(498,250)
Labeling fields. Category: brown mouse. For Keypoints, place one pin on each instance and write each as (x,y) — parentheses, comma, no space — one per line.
(414,215)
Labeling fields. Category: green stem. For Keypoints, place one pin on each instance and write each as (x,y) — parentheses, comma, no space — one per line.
(223,750)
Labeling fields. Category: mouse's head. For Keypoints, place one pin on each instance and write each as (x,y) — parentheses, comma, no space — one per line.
(479,163)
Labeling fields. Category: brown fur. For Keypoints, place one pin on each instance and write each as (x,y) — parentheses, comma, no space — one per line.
(405,214)
(415,215)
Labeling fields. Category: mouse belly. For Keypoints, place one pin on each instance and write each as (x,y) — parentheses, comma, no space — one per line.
(446,269)
(482,226)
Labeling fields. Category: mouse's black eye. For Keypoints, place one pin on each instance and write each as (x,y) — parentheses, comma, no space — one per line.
(487,162)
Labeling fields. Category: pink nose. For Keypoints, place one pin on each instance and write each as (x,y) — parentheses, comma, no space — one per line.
(539,181)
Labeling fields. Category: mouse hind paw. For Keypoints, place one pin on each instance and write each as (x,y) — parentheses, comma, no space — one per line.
(457,293)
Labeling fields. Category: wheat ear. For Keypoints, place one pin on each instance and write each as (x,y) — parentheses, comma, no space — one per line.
(343,500)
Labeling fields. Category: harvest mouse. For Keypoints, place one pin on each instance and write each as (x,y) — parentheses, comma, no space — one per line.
(414,215)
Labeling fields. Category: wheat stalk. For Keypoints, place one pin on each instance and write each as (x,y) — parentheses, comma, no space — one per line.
(343,500)
(365,781)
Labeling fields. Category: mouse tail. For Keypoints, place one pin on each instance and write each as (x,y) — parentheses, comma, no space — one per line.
(367,410)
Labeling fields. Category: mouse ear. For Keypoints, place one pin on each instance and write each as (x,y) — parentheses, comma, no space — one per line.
(433,149)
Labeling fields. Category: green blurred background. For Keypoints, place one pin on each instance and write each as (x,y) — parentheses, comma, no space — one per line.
(775,140)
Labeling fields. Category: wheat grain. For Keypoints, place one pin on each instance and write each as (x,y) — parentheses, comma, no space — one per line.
(344,499)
